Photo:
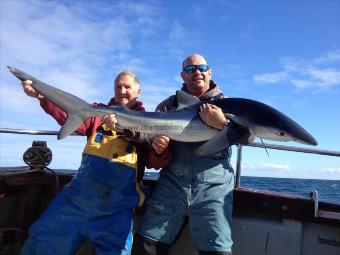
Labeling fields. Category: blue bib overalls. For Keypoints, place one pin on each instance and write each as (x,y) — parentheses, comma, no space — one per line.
(197,187)
(97,205)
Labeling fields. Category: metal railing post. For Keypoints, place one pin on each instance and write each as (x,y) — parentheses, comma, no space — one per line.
(238,166)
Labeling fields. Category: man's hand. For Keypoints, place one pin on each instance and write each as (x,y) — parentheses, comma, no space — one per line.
(213,116)
(160,143)
(110,122)
(29,90)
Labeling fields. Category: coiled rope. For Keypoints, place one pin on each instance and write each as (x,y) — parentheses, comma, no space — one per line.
(39,156)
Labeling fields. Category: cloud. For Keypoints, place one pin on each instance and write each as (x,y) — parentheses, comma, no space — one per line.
(70,37)
(266,167)
(15,100)
(176,38)
(148,17)
(270,77)
(68,46)
(320,73)
(332,56)
(328,76)
(60,35)
(331,170)
(152,95)
(180,40)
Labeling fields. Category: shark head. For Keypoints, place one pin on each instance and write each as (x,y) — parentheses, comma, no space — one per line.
(264,121)
(283,134)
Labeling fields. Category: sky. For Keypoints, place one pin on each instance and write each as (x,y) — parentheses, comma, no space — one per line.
(283,53)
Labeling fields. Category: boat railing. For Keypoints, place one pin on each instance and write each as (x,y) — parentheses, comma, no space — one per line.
(277,147)
(29,131)
(239,149)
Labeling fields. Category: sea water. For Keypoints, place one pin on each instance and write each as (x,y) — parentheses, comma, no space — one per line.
(329,190)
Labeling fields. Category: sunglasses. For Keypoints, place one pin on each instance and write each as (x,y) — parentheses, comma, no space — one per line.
(193,68)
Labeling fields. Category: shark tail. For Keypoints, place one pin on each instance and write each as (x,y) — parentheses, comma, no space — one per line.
(77,109)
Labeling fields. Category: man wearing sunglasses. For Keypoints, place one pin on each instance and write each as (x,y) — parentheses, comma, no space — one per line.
(199,187)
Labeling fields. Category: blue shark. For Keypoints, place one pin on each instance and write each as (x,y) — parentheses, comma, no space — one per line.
(182,124)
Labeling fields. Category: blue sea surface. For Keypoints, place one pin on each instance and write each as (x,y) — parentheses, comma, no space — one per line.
(329,190)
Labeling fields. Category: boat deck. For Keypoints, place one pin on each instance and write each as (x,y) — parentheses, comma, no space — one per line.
(274,220)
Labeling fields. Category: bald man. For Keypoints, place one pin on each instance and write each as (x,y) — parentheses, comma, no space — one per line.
(199,187)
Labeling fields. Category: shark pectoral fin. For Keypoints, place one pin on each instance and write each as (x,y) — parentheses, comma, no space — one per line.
(215,144)
(234,118)
(71,124)
(238,134)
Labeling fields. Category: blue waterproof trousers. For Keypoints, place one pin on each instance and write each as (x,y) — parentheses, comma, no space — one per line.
(98,205)
(198,187)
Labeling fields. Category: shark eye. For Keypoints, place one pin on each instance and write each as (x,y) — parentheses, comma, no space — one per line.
(281,133)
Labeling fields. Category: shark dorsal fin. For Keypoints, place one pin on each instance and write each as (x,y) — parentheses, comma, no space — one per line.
(185,99)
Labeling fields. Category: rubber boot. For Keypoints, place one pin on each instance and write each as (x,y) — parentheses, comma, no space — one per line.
(214,253)
(146,246)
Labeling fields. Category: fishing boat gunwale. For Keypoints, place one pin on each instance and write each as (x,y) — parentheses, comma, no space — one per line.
(32,190)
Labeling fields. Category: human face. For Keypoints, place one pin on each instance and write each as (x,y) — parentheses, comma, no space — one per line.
(197,83)
(126,91)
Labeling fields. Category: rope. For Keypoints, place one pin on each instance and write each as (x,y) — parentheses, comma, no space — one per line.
(56,177)
(39,156)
